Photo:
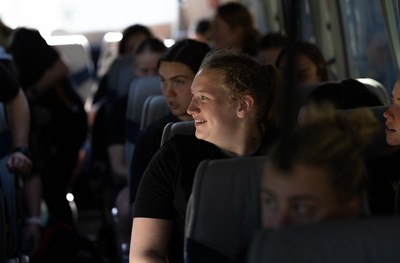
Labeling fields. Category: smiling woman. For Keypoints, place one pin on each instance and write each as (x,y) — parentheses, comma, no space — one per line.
(234,106)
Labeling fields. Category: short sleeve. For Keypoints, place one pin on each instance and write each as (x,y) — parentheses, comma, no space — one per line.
(155,194)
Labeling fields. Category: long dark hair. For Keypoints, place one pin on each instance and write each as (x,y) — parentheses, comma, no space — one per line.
(188,51)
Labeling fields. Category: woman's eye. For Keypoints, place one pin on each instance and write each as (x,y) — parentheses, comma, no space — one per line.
(269,203)
(179,82)
(202,98)
(300,209)
(303,209)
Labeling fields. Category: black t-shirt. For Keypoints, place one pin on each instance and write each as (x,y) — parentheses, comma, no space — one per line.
(147,144)
(384,175)
(167,184)
(9,85)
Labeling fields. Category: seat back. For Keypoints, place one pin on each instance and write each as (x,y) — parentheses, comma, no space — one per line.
(75,50)
(224,208)
(140,89)
(370,240)
(302,92)
(377,88)
(120,76)
(154,108)
(173,128)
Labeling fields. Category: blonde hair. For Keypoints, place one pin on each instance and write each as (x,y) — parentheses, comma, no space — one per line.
(333,141)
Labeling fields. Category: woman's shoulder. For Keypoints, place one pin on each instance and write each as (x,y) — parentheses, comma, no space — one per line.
(183,141)
(189,145)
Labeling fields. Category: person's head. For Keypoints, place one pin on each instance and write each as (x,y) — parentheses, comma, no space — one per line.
(146,57)
(347,94)
(233,27)
(201,31)
(132,36)
(318,172)
(392,116)
(309,63)
(378,50)
(177,67)
(233,97)
(270,46)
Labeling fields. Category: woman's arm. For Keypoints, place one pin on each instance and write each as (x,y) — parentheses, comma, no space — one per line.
(19,121)
(149,240)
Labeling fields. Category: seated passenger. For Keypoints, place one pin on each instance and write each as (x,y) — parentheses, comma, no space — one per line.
(19,161)
(107,92)
(270,47)
(309,64)
(233,27)
(384,181)
(235,109)
(347,94)
(321,175)
(58,118)
(132,36)
(200,31)
(177,68)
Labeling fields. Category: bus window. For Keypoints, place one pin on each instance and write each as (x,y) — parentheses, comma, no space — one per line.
(367,42)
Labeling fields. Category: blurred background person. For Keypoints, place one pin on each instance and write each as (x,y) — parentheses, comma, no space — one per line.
(309,64)
(58,118)
(201,31)
(233,27)
(270,46)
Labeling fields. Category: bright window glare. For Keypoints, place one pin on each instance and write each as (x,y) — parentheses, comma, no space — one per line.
(112,36)
(169,42)
(78,16)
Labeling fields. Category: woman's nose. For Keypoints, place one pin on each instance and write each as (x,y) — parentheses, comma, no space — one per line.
(192,108)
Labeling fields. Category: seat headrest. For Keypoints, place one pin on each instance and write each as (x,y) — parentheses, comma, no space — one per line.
(225,203)
(370,240)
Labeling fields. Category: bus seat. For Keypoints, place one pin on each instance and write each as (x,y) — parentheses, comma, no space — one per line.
(154,108)
(140,89)
(377,88)
(76,52)
(173,128)
(223,212)
(302,92)
(370,240)
(120,76)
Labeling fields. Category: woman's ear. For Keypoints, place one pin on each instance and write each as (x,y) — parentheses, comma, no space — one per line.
(245,105)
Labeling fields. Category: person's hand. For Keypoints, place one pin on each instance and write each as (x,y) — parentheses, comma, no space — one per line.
(19,163)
